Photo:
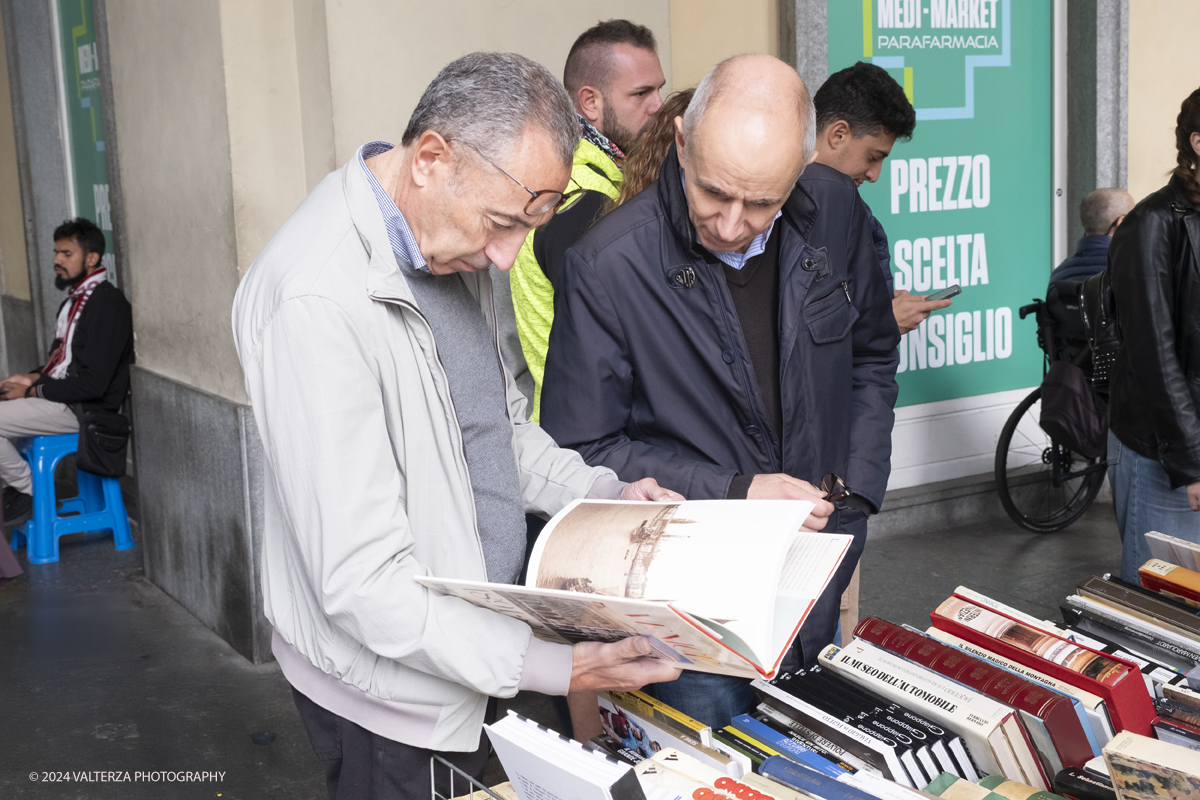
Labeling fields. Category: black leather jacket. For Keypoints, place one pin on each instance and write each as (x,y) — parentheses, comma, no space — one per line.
(1154,394)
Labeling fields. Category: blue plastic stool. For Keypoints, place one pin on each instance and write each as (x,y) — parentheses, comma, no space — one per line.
(97,507)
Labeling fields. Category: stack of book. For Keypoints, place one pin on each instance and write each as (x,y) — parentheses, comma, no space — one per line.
(988,703)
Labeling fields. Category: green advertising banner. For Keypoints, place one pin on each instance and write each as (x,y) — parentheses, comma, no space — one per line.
(86,161)
(969,199)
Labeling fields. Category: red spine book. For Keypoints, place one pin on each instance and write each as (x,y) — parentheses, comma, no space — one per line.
(1115,680)
(1056,712)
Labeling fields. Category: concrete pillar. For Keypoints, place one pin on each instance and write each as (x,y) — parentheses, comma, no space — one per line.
(37,125)
(804,39)
(1097,102)
(18,343)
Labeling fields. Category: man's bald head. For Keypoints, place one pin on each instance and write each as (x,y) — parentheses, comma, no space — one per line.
(1101,210)
(761,94)
(742,143)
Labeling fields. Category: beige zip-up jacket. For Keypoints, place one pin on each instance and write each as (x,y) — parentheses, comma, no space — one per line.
(366,482)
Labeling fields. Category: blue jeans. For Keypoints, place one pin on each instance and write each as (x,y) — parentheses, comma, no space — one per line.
(712,699)
(1145,502)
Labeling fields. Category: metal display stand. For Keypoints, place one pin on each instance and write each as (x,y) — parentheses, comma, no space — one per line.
(471,788)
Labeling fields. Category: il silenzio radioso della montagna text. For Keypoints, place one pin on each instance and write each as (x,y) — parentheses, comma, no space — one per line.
(930,263)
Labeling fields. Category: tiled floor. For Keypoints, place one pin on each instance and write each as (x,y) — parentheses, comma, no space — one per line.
(101,671)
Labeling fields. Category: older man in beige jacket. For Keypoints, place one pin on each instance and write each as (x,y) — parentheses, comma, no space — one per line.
(397,444)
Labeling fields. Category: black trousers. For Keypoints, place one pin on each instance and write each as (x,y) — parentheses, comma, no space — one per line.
(360,765)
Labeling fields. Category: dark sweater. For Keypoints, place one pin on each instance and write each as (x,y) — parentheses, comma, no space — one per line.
(1091,256)
(101,354)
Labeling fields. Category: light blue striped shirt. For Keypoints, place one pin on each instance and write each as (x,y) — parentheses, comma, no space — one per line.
(757,245)
(404,244)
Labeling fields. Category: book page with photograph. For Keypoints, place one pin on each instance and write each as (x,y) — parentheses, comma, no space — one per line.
(719,561)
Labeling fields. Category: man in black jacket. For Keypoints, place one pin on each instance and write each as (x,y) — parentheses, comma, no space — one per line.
(729,332)
(88,365)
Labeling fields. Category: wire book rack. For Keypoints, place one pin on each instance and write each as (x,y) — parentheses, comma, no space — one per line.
(461,785)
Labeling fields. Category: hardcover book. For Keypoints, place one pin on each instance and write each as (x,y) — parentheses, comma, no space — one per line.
(1143,604)
(1171,580)
(719,586)
(1050,719)
(990,729)
(1168,647)
(1118,682)
(1091,707)
(1078,784)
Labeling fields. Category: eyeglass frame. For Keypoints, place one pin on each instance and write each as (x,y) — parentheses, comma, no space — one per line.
(561,203)
(842,496)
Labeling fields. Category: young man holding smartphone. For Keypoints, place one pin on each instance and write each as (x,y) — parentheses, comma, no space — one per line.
(861,112)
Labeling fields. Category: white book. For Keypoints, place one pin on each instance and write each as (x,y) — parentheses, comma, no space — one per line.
(991,730)
(671,774)
(719,586)
(544,765)
(1174,550)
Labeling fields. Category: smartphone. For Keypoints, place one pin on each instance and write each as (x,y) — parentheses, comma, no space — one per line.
(944,294)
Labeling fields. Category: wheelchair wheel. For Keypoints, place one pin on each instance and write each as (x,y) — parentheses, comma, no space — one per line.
(1043,486)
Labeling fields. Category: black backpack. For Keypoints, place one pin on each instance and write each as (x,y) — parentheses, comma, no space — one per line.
(1099,308)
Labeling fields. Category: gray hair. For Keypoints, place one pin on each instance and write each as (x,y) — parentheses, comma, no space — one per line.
(487,100)
(714,85)
(1100,209)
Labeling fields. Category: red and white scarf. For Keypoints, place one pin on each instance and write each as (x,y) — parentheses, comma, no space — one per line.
(68,316)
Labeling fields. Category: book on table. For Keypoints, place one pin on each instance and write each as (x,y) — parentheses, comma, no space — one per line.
(992,731)
(1173,581)
(1143,768)
(1050,719)
(718,586)
(1117,681)
(672,775)
(632,722)
(1142,603)
(1090,706)
(1174,550)
(544,765)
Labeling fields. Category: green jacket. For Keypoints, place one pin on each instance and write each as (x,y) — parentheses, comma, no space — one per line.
(532,294)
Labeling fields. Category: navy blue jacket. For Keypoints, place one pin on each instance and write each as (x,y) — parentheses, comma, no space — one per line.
(651,376)
(1091,256)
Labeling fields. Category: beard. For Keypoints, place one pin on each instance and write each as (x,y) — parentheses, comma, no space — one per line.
(617,133)
(63,283)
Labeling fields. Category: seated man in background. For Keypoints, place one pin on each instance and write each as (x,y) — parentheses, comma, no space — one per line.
(614,78)
(88,366)
(1100,212)
(729,332)
(861,112)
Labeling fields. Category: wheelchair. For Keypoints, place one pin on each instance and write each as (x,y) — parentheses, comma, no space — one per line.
(1042,484)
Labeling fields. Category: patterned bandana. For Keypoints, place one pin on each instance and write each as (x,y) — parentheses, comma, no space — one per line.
(588,131)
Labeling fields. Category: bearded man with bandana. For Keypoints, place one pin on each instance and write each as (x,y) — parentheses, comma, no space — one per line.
(87,368)
(614,78)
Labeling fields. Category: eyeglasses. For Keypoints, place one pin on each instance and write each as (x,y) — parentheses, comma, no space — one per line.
(539,202)
(842,496)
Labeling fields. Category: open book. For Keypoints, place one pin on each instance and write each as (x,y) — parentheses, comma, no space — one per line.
(718,585)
